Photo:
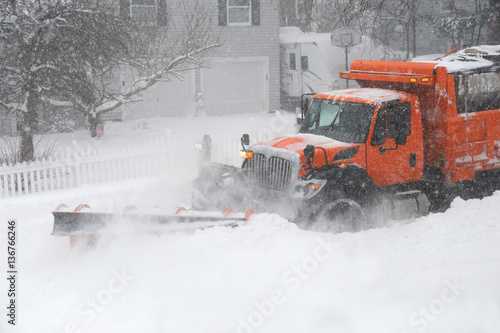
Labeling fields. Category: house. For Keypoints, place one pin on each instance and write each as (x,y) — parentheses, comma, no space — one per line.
(241,76)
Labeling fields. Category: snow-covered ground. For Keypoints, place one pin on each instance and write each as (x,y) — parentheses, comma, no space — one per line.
(439,273)
(185,130)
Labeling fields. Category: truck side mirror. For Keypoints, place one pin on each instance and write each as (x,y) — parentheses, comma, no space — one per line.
(245,140)
(309,153)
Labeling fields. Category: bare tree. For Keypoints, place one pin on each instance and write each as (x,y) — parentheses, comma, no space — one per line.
(464,24)
(162,53)
(359,14)
(304,14)
(58,52)
(494,22)
(402,17)
(48,48)
(396,23)
(386,22)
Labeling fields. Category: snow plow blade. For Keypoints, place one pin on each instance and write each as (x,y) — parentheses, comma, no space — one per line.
(70,223)
(77,223)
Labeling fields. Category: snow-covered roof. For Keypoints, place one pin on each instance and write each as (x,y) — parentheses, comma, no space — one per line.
(483,58)
(295,35)
(366,94)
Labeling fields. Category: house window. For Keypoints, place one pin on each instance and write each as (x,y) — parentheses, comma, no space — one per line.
(239,12)
(143,11)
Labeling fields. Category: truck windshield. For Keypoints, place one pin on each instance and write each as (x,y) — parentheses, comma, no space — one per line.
(339,120)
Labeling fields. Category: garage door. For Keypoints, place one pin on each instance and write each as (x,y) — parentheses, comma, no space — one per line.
(235,86)
(165,99)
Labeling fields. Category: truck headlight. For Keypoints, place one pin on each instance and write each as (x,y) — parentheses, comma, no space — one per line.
(246,154)
(308,189)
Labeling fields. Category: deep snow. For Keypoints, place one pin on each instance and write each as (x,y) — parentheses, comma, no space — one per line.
(439,273)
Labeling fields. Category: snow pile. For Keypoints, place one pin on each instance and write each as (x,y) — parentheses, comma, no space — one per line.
(437,274)
(184,131)
(473,58)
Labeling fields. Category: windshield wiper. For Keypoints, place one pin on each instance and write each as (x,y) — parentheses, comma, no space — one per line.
(330,128)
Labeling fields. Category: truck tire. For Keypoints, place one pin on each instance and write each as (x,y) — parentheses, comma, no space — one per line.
(341,215)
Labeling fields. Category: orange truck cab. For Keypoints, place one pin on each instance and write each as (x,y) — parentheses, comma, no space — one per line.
(413,136)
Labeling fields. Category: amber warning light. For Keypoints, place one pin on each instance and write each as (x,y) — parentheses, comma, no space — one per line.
(246,154)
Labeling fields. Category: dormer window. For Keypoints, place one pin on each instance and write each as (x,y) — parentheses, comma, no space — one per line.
(149,12)
(239,12)
(143,11)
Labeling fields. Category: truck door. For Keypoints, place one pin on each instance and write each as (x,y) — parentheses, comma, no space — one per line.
(395,149)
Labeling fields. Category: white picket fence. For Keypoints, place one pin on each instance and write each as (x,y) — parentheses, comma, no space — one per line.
(225,148)
(79,166)
(73,168)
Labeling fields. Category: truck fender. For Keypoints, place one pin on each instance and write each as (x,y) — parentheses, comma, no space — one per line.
(351,181)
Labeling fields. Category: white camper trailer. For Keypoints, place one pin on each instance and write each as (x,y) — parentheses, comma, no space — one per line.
(310,63)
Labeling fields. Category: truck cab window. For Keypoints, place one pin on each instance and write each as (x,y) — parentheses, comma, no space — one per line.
(399,122)
(477,92)
(379,129)
(339,120)
(293,64)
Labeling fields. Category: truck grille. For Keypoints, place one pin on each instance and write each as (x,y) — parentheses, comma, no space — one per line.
(273,173)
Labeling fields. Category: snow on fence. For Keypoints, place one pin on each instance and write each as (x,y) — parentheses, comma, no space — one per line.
(79,166)
(76,167)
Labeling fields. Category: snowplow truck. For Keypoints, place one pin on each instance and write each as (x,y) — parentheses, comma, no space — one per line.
(413,136)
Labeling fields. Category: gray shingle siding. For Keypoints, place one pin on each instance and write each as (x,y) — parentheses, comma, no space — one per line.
(260,40)
(256,45)
(255,41)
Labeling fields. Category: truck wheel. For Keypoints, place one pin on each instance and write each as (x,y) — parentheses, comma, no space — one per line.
(341,215)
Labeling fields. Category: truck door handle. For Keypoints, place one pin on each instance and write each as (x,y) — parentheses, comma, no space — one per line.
(413,160)
(383,149)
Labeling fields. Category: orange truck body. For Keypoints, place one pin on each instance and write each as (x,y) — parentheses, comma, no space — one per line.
(459,144)
(413,135)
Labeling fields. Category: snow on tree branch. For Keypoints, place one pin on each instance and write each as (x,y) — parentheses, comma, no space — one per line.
(143,83)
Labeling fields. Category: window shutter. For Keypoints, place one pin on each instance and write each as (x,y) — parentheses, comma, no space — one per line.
(222,12)
(255,12)
(125,9)
(161,12)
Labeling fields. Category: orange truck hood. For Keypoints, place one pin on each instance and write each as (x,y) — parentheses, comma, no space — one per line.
(297,143)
